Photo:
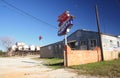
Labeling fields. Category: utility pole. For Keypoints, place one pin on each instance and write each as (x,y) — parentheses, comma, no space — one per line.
(99,33)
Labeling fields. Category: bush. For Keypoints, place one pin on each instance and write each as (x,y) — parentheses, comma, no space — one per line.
(2,53)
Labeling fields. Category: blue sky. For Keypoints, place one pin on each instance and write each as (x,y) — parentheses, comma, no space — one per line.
(24,28)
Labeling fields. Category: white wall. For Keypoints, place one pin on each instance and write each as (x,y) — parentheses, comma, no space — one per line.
(109,43)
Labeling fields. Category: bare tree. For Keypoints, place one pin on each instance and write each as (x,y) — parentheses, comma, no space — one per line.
(6,42)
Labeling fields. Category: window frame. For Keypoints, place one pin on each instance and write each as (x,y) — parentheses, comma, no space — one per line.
(83,44)
(92,44)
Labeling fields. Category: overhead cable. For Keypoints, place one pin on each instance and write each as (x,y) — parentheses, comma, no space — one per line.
(9,4)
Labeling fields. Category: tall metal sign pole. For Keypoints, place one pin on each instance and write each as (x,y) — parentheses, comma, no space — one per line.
(64,26)
(99,33)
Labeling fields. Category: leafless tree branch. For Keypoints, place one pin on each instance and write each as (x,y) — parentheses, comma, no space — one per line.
(6,42)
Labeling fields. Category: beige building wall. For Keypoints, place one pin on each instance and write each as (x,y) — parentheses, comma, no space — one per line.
(110,55)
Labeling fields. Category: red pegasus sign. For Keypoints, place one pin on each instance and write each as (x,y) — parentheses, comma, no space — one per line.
(65,22)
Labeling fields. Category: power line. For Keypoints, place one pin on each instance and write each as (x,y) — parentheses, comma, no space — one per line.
(28,14)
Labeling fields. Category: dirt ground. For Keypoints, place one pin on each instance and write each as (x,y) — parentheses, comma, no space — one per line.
(24,67)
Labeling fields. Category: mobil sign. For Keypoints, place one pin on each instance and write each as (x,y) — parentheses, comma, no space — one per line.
(65,22)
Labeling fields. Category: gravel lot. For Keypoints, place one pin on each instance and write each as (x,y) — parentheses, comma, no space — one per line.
(24,67)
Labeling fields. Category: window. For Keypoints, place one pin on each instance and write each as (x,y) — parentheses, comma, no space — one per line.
(93,43)
(59,46)
(76,43)
(82,43)
(118,44)
(72,45)
(111,43)
(49,47)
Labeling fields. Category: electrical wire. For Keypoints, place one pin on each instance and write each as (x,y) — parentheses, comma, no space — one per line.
(11,5)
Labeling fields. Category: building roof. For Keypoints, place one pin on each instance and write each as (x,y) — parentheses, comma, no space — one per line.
(85,30)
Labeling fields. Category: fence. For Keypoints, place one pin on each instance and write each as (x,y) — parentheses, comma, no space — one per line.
(77,57)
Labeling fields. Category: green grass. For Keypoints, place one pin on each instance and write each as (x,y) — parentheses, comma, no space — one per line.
(54,63)
(106,68)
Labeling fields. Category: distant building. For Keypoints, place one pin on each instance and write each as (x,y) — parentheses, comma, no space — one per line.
(81,40)
(20,46)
